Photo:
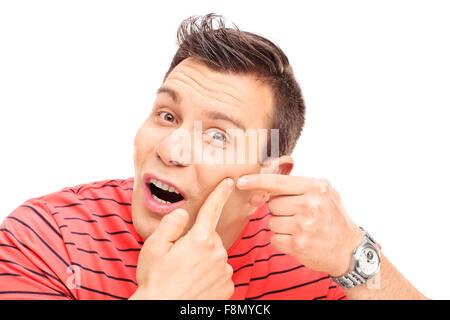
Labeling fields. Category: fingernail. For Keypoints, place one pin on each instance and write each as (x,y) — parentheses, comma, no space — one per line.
(230,182)
(242,182)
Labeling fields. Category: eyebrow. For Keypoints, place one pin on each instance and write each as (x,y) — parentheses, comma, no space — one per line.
(213,115)
(217,115)
(172,93)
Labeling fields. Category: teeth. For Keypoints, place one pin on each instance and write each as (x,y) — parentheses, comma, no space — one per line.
(163,186)
(159,200)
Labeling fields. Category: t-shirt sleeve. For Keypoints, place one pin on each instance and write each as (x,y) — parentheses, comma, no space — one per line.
(34,263)
(335,292)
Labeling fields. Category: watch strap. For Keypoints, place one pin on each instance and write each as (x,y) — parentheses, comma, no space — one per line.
(349,280)
(353,278)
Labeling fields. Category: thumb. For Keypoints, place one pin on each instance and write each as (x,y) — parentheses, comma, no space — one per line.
(170,229)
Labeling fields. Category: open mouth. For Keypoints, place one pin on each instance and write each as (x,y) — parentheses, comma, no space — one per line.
(164,193)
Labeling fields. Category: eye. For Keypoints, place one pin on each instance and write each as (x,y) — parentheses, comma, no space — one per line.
(166,116)
(217,137)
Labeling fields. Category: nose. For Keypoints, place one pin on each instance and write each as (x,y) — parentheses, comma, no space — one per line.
(175,149)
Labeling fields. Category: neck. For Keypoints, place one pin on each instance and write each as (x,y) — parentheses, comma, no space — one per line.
(229,230)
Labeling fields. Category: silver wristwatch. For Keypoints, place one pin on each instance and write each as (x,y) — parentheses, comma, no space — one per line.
(364,266)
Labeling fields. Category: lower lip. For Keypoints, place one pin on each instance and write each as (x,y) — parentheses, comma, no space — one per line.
(158,207)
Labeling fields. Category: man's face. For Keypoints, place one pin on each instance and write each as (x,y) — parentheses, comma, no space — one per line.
(191,96)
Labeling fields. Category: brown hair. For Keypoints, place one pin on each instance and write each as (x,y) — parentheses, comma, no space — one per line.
(232,50)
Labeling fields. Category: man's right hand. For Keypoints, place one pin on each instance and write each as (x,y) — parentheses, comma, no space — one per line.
(193,266)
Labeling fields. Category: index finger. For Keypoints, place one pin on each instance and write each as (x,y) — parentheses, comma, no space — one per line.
(211,210)
(276,184)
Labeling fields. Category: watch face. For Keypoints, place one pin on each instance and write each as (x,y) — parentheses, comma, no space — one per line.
(368,261)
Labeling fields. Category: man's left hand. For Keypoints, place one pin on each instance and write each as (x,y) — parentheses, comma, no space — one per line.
(309,221)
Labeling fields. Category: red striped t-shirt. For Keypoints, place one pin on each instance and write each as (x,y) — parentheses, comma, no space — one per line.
(80,243)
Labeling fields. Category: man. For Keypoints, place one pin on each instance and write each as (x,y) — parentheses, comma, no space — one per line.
(195,223)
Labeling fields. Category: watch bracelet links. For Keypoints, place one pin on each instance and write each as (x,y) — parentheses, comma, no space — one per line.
(350,280)
(366,234)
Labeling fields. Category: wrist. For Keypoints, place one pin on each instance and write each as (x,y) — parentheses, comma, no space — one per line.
(364,265)
(354,240)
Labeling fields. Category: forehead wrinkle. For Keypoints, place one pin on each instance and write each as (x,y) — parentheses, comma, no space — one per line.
(215,92)
(258,80)
(222,83)
(205,112)
(184,82)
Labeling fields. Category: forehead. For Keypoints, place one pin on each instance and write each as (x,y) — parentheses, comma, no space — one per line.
(241,95)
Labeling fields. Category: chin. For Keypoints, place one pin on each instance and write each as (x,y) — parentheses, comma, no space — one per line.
(145,224)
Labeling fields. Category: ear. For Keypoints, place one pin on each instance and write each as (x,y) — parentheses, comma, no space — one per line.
(280,165)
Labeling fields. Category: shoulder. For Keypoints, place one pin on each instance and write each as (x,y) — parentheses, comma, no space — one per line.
(86,226)
(44,216)
(116,190)
(87,199)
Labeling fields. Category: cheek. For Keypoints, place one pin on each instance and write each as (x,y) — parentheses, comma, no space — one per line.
(144,142)
(212,155)
(210,176)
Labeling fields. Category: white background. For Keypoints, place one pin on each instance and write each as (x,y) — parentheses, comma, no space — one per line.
(77,79)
